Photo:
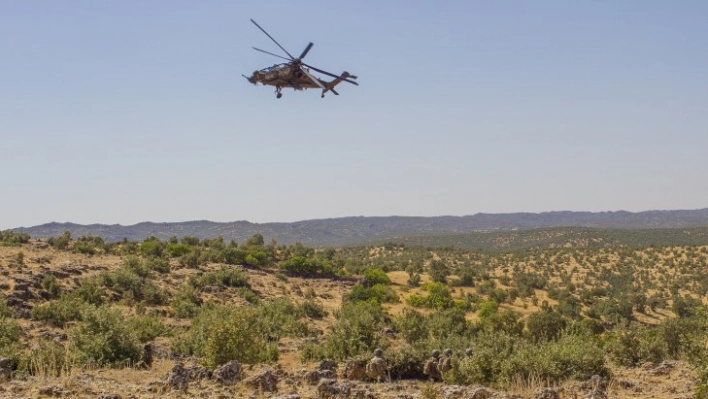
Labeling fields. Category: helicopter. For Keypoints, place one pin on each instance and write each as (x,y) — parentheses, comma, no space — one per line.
(295,73)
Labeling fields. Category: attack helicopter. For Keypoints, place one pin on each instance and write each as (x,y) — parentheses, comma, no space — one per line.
(295,73)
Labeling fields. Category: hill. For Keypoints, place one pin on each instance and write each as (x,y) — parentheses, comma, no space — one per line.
(362,230)
(79,317)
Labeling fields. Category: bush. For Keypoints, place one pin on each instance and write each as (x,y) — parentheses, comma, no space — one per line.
(501,359)
(312,309)
(103,338)
(59,312)
(379,293)
(357,331)
(10,331)
(89,291)
(175,250)
(407,362)
(152,247)
(411,325)
(301,266)
(545,326)
(5,310)
(438,297)
(374,276)
(160,265)
(186,302)
(220,335)
(147,328)
(9,237)
(51,285)
(61,242)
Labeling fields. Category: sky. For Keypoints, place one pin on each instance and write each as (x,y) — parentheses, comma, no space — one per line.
(131,111)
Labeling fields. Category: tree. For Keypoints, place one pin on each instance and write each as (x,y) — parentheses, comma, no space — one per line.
(545,326)
(438,271)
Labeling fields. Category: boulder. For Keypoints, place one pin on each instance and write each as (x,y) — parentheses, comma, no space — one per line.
(265,380)
(228,374)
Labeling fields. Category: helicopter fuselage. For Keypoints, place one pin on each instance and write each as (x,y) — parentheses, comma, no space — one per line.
(284,75)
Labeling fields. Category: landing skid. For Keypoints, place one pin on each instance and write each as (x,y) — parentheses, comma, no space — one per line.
(278,94)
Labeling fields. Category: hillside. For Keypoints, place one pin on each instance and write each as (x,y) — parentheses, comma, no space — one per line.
(363,230)
(75,315)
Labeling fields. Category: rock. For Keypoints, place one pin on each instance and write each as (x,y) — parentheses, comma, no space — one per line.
(198,373)
(265,380)
(109,396)
(451,391)
(228,373)
(177,378)
(51,391)
(327,364)
(662,369)
(147,355)
(478,393)
(5,369)
(331,388)
(355,370)
(22,295)
(291,396)
(312,377)
(547,393)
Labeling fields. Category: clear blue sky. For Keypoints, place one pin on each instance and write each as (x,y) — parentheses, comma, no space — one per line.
(129,111)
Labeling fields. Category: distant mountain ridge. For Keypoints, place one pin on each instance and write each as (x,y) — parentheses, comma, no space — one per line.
(362,229)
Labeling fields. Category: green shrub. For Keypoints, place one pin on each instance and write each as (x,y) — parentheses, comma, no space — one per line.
(545,326)
(10,331)
(500,359)
(160,265)
(59,312)
(9,237)
(175,250)
(374,276)
(312,309)
(103,338)
(356,331)
(190,260)
(89,291)
(147,328)
(185,304)
(281,317)
(447,323)
(152,247)
(220,335)
(5,310)
(301,266)
(380,293)
(411,325)
(623,346)
(61,242)
(51,285)
(124,281)
(407,362)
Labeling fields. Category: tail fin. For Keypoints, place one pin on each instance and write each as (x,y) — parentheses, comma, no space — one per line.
(330,85)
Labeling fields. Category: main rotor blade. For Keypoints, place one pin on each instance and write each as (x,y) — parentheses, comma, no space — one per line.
(274,41)
(312,78)
(307,50)
(330,74)
(268,52)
